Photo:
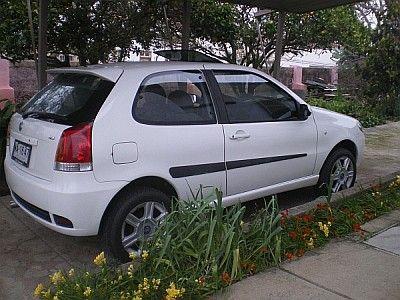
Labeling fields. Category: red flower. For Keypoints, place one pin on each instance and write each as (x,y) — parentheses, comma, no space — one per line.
(357,227)
(292,235)
(307,218)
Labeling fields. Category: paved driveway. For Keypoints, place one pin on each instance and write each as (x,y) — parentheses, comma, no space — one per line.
(29,252)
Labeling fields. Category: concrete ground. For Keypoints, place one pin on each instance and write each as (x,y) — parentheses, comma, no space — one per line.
(344,269)
(30,252)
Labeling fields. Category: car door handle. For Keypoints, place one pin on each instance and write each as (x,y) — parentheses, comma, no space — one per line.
(239,135)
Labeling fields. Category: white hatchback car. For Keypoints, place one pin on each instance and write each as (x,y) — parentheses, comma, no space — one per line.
(103,149)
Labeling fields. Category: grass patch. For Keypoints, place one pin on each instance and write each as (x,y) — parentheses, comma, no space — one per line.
(201,249)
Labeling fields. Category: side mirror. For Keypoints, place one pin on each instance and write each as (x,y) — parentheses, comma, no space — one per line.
(304,112)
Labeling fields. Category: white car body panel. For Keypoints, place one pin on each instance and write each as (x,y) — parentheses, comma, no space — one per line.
(151,151)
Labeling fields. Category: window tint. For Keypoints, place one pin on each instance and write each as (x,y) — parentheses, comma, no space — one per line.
(76,97)
(251,98)
(174,98)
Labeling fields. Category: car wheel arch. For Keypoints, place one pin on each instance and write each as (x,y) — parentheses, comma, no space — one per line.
(344,144)
(158,183)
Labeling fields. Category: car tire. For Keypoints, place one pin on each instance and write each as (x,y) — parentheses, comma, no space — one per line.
(135,202)
(329,170)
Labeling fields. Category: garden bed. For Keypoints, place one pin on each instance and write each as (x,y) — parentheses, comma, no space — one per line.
(201,249)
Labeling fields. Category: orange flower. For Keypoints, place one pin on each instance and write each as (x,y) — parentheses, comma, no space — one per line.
(292,235)
(226,279)
(289,255)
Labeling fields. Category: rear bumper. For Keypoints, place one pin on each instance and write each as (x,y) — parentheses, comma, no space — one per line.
(77,197)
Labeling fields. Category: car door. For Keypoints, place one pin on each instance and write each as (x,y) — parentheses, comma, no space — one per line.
(175,134)
(265,141)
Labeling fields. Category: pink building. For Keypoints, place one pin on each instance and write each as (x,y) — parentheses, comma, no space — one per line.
(6,92)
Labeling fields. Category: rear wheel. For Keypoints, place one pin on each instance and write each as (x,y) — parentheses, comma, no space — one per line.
(338,172)
(134,219)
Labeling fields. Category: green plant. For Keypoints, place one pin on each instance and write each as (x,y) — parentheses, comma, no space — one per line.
(7,108)
(200,248)
(368,116)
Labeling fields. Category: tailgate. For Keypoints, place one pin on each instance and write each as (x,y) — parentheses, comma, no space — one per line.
(41,139)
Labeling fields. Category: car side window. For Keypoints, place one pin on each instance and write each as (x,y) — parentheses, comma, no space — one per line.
(251,98)
(174,98)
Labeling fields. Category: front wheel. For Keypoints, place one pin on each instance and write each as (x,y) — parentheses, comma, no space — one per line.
(338,172)
(134,219)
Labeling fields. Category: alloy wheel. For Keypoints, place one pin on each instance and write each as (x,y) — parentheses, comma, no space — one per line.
(342,174)
(140,224)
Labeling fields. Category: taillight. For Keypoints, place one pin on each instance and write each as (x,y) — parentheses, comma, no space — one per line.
(74,152)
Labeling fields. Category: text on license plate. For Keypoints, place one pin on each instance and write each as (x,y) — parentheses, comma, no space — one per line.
(21,153)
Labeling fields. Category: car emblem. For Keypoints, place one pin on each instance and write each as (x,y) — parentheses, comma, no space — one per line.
(20,126)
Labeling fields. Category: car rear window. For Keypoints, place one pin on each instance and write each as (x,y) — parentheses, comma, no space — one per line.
(75,98)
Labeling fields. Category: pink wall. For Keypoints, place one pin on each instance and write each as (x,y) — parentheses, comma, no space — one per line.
(6,92)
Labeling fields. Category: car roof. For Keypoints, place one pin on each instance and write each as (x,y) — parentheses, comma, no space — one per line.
(112,71)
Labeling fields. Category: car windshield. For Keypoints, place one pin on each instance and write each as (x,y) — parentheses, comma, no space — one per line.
(69,99)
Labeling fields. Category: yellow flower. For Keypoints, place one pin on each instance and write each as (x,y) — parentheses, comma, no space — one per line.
(55,297)
(38,290)
(57,278)
(310,243)
(47,294)
(145,255)
(100,259)
(324,228)
(132,255)
(156,283)
(71,272)
(174,293)
(130,270)
(87,292)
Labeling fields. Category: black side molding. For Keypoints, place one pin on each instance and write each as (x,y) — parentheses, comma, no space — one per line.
(192,170)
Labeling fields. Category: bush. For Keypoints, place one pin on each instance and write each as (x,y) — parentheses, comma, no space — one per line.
(367,115)
(7,108)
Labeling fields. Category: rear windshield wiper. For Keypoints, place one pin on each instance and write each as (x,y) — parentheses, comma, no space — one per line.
(43,115)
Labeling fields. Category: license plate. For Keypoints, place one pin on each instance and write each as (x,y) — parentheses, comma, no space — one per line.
(22,153)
